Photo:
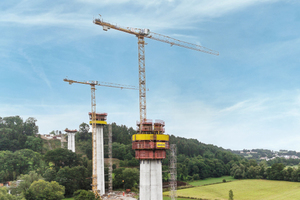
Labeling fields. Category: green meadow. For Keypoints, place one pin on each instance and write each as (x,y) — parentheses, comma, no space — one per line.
(245,190)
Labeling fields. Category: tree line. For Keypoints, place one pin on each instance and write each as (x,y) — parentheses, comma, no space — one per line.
(250,169)
(73,171)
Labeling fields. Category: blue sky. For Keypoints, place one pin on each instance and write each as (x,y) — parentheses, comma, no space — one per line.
(247,97)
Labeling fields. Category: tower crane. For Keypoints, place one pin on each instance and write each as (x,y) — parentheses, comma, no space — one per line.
(93,108)
(141,34)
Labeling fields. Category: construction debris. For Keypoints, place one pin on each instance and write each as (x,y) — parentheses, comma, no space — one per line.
(119,195)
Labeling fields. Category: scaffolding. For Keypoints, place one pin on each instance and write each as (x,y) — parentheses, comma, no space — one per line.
(173,172)
(108,150)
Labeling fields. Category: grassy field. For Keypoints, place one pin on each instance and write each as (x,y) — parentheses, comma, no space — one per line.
(211,181)
(245,190)
(169,198)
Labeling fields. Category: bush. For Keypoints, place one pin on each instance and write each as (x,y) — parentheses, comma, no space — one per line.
(84,195)
(196,177)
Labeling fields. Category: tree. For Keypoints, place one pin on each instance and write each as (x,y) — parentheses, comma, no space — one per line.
(50,174)
(83,134)
(62,157)
(130,177)
(14,132)
(5,196)
(276,172)
(20,162)
(34,143)
(118,178)
(24,183)
(73,179)
(84,195)
(43,190)
(30,127)
(230,195)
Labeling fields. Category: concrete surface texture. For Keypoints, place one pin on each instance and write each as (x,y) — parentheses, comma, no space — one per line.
(71,141)
(151,180)
(100,159)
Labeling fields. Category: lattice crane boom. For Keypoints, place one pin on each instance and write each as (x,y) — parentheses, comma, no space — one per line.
(105,84)
(145,33)
(155,36)
(93,109)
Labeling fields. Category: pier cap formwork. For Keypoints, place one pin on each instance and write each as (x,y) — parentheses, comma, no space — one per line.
(151,143)
(70,131)
(100,118)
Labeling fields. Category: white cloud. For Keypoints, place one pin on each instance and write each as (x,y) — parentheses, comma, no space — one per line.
(157,14)
(264,121)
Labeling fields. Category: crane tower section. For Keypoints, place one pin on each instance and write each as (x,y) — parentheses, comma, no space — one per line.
(98,120)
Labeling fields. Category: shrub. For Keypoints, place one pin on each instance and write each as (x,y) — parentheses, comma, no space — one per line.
(84,195)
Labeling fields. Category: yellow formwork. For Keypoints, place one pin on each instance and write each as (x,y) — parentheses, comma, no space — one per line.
(160,137)
(99,122)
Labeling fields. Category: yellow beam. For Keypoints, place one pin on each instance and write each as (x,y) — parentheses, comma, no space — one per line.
(160,137)
(98,122)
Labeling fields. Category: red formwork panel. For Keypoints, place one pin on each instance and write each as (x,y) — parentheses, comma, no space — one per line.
(159,122)
(143,145)
(149,155)
(160,154)
(147,128)
(144,154)
(159,129)
(150,145)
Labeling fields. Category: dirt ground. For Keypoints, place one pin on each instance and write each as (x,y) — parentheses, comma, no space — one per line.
(119,195)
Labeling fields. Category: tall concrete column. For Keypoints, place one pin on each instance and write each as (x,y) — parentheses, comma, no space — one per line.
(98,151)
(151,180)
(100,159)
(71,141)
(150,148)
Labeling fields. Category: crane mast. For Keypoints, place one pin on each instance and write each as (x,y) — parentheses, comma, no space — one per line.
(150,164)
(93,109)
(141,35)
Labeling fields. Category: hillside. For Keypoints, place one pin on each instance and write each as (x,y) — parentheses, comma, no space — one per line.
(22,151)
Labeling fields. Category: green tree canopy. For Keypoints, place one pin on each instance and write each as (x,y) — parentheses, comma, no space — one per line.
(5,196)
(24,183)
(73,179)
(62,157)
(84,195)
(20,162)
(43,190)
(14,132)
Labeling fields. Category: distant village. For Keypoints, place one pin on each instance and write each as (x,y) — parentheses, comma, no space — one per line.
(263,154)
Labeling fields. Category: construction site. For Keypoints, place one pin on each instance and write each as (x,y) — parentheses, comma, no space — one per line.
(150,143)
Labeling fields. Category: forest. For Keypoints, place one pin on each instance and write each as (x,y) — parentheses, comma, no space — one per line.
(23,156)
